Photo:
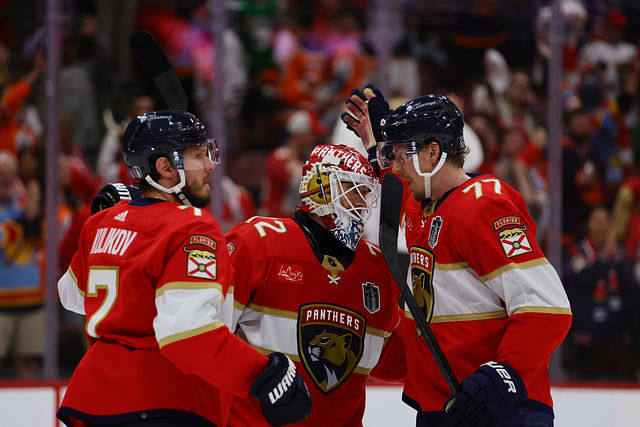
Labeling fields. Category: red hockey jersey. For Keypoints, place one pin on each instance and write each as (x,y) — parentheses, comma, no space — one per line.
(485,286)
(151,278)
(332,322)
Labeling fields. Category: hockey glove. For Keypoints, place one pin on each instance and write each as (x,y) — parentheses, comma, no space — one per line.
(283,395)
(486,396)
(377,108)
(111,194)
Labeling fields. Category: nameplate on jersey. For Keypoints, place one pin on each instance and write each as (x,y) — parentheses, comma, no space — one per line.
(110,240)
(201,264)
(511,232)
(330,343)
(421,264)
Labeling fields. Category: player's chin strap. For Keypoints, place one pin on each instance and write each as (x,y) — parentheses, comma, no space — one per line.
(427,176)
(176,189)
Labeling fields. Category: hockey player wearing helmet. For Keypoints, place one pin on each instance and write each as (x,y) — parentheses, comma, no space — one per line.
(486,287)
(312,288)
(151,276)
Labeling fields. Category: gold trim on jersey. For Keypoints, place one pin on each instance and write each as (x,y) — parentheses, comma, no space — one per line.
(291,315)
(187,286)
(377,332)
(274,311)
(75,280)
(191,333)
(464,317)
(546,310)
(452,267)
(513,265)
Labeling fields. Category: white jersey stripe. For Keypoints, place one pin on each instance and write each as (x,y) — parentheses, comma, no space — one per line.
(71,297)
(530,288)
(271,332)
(181,311)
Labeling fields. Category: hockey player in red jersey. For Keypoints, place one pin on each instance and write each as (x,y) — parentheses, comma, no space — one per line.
(311,288)
(495,304)
(151,277)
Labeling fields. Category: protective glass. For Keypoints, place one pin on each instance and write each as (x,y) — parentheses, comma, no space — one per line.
(198,158)
(389,152)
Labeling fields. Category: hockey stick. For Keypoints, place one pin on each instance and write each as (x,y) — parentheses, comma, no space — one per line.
(149,53)
(391,205)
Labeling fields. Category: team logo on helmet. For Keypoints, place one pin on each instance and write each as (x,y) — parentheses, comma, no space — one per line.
(422,280)
(330,343)
(315,187)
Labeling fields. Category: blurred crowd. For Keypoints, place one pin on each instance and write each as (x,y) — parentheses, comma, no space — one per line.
(288,67)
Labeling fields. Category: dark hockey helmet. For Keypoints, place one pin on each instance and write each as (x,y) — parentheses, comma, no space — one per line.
(424,119)
(163,133)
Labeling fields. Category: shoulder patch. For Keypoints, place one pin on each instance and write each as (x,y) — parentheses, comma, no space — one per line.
(231,247)
(505,221)
(514,241)
(201,264)
(199,239)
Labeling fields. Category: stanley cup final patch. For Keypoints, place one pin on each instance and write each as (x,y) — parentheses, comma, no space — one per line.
(371,297)
(201,264)
(434,231)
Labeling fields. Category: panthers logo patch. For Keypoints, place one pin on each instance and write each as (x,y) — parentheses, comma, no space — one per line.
(330,343)
(422,280)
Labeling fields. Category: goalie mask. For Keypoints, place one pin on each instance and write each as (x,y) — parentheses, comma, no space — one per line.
(339,185)
(165,133)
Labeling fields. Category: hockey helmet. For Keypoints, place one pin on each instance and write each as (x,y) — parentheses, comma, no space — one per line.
(163,133)
(424,119)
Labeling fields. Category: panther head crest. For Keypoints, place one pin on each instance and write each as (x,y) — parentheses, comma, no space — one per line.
(334,353)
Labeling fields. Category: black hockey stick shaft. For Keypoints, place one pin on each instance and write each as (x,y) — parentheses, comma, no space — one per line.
(154,61)
(391,206)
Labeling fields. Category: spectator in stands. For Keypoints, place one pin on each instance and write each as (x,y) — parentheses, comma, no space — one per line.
(21,287)
(14,131)
(600,285)
(610,49)
(110,165)
(582,172)
(519,107)
(281,193)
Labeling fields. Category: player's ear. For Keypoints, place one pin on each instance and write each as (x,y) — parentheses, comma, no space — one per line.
(434,151)
(163,167)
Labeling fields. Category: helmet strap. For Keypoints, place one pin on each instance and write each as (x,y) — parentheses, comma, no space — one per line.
(427,175)
(176,189)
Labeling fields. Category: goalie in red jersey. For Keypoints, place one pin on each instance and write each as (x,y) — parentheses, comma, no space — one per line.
(151,276)
(493,301)
(311,288)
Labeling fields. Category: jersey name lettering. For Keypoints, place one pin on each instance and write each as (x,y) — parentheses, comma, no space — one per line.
(114,241)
